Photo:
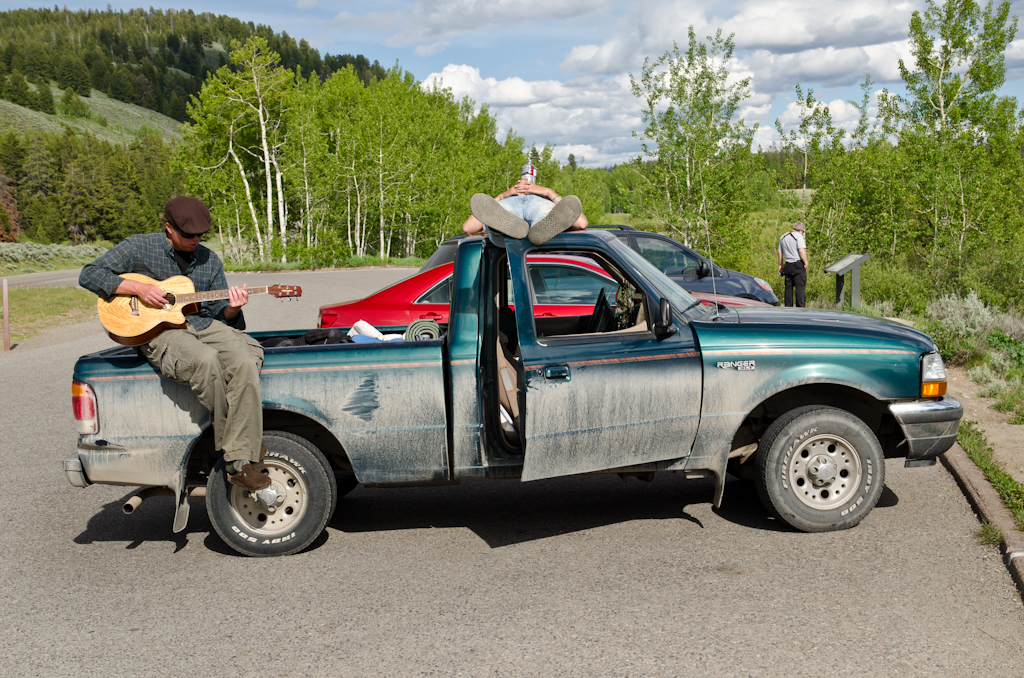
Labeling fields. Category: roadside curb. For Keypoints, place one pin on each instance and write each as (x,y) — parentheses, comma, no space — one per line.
(989,506)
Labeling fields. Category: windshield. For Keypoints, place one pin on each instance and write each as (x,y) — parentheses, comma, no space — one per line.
(444,254)
(666,289)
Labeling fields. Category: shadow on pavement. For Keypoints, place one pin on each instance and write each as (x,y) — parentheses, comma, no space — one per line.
(506,513)
(152,521)
(500,513)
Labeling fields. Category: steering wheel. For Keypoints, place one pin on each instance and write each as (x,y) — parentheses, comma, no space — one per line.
(603,316)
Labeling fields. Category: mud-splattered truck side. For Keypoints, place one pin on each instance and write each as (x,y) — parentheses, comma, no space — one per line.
(806,403)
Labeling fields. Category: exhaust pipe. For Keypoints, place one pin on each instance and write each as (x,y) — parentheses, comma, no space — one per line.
(134,502)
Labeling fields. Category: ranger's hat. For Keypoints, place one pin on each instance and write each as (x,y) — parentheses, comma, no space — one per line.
(188,215)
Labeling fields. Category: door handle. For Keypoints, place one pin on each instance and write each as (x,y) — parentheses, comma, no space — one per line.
(547,315)
(557,372)
(431,316)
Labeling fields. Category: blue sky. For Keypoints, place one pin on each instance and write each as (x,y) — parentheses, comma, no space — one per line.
(558,70)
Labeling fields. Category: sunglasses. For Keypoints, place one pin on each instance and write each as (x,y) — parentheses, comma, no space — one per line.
(185,235)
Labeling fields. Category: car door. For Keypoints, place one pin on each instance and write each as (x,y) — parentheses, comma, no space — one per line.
(434,304)
(605,400)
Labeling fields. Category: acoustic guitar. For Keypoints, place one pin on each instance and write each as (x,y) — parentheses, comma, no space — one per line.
(131,322)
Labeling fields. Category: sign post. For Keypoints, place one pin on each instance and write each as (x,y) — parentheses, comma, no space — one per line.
(7,319)
(851,262)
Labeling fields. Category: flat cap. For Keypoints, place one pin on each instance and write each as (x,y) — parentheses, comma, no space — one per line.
(188,215)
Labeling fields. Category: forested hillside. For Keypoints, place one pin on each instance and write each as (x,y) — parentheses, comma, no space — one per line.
(151,58)
(91,103)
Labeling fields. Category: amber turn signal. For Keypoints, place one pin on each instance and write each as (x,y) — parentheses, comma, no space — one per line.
(933,389)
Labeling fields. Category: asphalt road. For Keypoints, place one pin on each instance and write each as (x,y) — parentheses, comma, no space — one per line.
(585,576)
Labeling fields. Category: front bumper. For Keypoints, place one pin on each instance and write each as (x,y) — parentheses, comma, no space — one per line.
(929,426)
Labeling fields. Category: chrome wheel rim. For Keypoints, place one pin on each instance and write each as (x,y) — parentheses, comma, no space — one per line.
(825,472)
(283,515)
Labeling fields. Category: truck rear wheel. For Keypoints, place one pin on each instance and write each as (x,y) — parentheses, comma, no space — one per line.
(819,469)
(284,518)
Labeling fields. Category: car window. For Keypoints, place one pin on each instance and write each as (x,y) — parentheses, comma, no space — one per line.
(593,283)
(441,293)
(667,257)
(560,285)
(683,304)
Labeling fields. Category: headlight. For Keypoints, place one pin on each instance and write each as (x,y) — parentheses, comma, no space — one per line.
(763,284)
(933,376)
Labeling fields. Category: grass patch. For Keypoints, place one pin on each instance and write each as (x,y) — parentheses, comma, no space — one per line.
(990,535)
(255,266)
(34,309)
(54,264)
(18,258)
(350,262)
(123,121)
(976,445)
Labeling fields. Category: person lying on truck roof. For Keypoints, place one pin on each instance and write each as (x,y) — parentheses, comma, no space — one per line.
(526,210)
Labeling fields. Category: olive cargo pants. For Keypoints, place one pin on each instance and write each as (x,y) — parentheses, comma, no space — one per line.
(222,366)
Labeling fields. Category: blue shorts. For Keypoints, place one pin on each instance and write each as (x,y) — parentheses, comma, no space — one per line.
(532,208)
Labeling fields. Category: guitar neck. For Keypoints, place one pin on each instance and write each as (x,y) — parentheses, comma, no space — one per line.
(214,295)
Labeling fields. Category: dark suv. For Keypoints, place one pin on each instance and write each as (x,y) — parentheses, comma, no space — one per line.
(688,269)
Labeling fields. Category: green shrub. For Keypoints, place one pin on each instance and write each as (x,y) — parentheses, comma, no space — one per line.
(956,349)
(72,105)
(1000,363)
(877,309)
(993,389)
(982,374)
(966,317)
(906,288)
(1000,340)
(36,253)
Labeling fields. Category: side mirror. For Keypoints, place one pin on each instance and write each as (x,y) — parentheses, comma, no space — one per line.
(664,326)
(704,270)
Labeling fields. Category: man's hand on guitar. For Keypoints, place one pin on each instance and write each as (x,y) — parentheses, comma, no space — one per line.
(237,298)
(151,295)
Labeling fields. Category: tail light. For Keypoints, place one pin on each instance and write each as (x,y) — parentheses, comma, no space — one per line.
(83,402)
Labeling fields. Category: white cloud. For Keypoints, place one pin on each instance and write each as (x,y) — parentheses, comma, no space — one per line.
(796,25)
(589,117)
(433,48)
(429,21)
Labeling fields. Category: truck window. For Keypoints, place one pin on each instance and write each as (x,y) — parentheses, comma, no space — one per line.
(609,301)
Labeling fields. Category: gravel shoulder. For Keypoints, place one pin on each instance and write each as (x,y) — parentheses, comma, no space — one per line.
(1004,437)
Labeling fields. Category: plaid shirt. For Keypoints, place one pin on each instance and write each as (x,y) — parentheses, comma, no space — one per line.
(150,254)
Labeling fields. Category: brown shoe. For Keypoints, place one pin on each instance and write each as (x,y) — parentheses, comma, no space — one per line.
(249,478)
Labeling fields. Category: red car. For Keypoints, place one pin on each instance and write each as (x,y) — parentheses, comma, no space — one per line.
(562,285)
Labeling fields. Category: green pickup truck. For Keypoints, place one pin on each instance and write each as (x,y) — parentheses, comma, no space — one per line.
(806,404)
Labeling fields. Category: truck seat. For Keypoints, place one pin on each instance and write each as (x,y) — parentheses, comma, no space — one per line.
(508,389)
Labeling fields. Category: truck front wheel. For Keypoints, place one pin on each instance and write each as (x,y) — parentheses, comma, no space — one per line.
(819,469)
(283,518)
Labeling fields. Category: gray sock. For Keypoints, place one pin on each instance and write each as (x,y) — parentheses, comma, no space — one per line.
(235,466)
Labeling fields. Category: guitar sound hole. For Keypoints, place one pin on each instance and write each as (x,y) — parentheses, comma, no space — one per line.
(170,298)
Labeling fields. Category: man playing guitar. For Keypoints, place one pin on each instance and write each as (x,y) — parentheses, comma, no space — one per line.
(211,353)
